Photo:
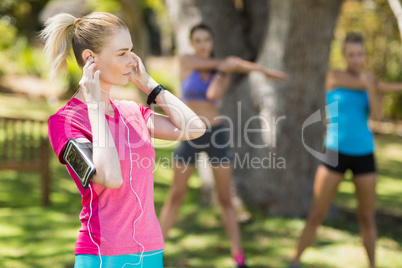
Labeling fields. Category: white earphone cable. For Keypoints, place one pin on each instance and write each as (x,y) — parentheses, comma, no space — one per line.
(89,226)
(132,189)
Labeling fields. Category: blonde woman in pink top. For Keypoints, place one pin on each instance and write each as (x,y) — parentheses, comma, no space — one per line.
(119,227)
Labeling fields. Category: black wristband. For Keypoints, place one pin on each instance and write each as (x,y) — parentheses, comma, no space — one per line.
(154,93)
(220,72)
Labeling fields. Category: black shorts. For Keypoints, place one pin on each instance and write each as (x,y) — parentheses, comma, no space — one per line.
(357,164)
(214,142)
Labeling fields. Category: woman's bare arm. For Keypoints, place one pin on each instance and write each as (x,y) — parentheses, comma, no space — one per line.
(370,82)
(181,123)
(242,66)
(104,152)
(220,82)
(218,86)
(365,81)
(342,79)
(387,87)
(193,62)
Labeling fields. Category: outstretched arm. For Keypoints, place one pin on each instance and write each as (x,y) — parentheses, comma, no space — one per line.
(371,84)
(365,81)
(220,81)
(181,123)
(242,66)
(342,79)
(193,62)
(387,87)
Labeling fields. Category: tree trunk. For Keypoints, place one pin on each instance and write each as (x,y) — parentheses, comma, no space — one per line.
(298,42)
(396,8)
(278,177)
(236,31)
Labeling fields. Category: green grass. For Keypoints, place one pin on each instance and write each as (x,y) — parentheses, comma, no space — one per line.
(389,187)
(34,236)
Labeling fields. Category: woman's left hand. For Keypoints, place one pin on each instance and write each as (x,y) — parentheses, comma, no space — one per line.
(140,77)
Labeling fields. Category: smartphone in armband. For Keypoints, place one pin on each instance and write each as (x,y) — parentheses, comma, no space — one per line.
(78,156)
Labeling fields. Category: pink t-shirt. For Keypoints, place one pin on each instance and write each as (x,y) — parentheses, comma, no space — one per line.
(114,210)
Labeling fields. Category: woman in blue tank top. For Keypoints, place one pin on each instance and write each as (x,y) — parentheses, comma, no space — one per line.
(352,95)
(204,82)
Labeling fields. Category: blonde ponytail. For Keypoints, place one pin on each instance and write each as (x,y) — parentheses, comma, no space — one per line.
(90,32)
(57,42)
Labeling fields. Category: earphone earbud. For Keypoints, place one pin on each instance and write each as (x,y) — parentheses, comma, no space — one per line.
(89,58)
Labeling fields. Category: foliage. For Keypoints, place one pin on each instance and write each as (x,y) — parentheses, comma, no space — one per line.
(164,78)
(111,6)
(8,37)
(19,57)
(17,54)
(8,33)
(21,12)
(29,60)
(156,5)
(74,75)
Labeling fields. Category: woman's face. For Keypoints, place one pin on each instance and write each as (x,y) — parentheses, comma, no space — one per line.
(355,56)
(115,61)
(201,40)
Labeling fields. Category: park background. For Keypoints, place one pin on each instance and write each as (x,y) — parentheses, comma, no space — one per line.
(309,34)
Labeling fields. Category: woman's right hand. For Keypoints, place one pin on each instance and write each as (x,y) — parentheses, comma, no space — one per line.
(230,64)
(89,82)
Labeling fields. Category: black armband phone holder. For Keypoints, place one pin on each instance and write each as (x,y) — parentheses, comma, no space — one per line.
(78,156)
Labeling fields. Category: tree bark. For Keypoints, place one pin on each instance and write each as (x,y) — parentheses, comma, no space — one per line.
(298,42)
(396,8)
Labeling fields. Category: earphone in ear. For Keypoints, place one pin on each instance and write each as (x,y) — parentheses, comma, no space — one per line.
(87,53)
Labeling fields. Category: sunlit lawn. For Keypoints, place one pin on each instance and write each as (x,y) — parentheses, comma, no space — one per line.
(34,236)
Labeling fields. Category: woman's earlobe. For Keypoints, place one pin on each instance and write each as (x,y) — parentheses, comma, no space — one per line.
(86,54)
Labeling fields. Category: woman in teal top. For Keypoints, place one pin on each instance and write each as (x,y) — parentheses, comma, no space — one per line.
(348,132)
(352,95)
